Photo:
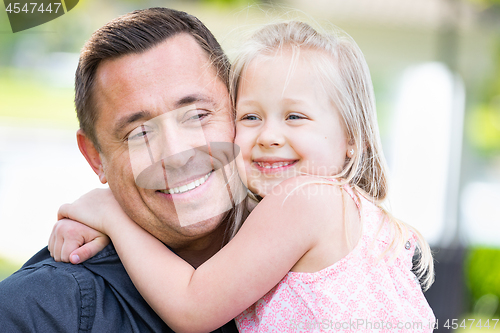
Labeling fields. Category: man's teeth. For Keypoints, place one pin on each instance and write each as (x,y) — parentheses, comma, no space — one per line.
(273,165)
(188,187)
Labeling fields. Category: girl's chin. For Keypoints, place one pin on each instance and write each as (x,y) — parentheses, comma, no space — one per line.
(261,188)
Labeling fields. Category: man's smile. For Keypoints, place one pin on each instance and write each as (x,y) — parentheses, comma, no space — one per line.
(187,187)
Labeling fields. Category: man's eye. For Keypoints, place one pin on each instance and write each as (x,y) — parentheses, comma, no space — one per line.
(139,133)
(194,115)
(199,116)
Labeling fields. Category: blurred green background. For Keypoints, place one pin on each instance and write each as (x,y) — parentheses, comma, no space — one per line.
(36,98)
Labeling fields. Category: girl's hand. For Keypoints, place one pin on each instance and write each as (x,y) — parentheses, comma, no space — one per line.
(97,209)
(74,242)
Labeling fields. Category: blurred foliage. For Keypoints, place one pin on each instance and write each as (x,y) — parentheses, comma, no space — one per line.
(484,127)
(486,3)
(483,279)
(231,2)
(7,268)
(24,95)
(483,123)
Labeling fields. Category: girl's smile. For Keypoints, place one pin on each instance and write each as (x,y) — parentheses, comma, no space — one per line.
(273,164)
(286,124)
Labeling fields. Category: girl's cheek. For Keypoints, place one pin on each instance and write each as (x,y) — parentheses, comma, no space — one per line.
(243,141)
(245,157)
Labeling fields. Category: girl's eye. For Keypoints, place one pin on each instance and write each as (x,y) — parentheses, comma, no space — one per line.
(295,116)
(250,117)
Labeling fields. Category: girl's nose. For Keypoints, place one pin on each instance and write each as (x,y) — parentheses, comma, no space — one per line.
(271,138)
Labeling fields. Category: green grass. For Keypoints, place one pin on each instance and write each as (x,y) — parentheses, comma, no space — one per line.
(7,268)
(24,95)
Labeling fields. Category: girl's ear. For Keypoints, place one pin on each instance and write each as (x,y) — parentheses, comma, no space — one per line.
(351,148)
(350,151)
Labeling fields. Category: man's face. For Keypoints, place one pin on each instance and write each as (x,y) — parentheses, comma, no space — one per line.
(174,90)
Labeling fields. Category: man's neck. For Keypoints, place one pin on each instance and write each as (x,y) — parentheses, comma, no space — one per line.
(199,251)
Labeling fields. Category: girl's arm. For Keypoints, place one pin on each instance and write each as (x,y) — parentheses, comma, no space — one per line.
(273,238)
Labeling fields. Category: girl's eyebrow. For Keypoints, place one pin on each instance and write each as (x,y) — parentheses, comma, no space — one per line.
(292,101)
(285,101)
(249,102)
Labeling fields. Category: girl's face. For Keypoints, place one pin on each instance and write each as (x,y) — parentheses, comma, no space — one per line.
(285,122)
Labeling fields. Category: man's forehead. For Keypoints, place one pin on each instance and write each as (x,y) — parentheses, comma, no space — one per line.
(177,55)
(173,74)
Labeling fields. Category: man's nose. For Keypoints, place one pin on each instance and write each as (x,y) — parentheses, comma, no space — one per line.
(178,150)
(271,136)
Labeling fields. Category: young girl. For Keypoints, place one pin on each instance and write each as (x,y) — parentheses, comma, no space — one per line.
(319,252)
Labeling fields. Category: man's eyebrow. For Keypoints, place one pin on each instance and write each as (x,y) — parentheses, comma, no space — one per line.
(125,121)
(192,99)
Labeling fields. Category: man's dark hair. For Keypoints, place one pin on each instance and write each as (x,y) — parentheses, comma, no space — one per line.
(131,33)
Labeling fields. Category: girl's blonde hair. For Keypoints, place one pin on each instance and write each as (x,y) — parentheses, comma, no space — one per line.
(342,68)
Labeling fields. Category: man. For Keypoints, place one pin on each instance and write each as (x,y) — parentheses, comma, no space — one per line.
(137,68)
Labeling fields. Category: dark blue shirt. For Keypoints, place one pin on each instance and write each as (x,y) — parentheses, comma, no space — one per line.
(96,296)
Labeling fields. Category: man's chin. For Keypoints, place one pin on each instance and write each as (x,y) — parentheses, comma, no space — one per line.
(194,207)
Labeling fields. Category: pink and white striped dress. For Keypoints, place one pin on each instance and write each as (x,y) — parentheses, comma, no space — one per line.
(359,293)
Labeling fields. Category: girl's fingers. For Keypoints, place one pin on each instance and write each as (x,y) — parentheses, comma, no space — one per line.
(68,246)
(65,238)
(88,250)
(56,249)
(63,212)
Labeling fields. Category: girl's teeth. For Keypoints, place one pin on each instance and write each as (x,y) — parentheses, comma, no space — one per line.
(273,165)
(188,187)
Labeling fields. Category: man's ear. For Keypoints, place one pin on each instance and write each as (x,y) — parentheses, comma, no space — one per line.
(91,154)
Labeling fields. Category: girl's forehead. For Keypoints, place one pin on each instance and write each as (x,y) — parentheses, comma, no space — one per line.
(281,79)
(312,66)
(315,61)
(296,52)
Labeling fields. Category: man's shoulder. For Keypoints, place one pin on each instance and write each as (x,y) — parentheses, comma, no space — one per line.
(46,295)
(42,270)
(49,296)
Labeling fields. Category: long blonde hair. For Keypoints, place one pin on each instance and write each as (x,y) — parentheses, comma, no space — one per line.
(346,78)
